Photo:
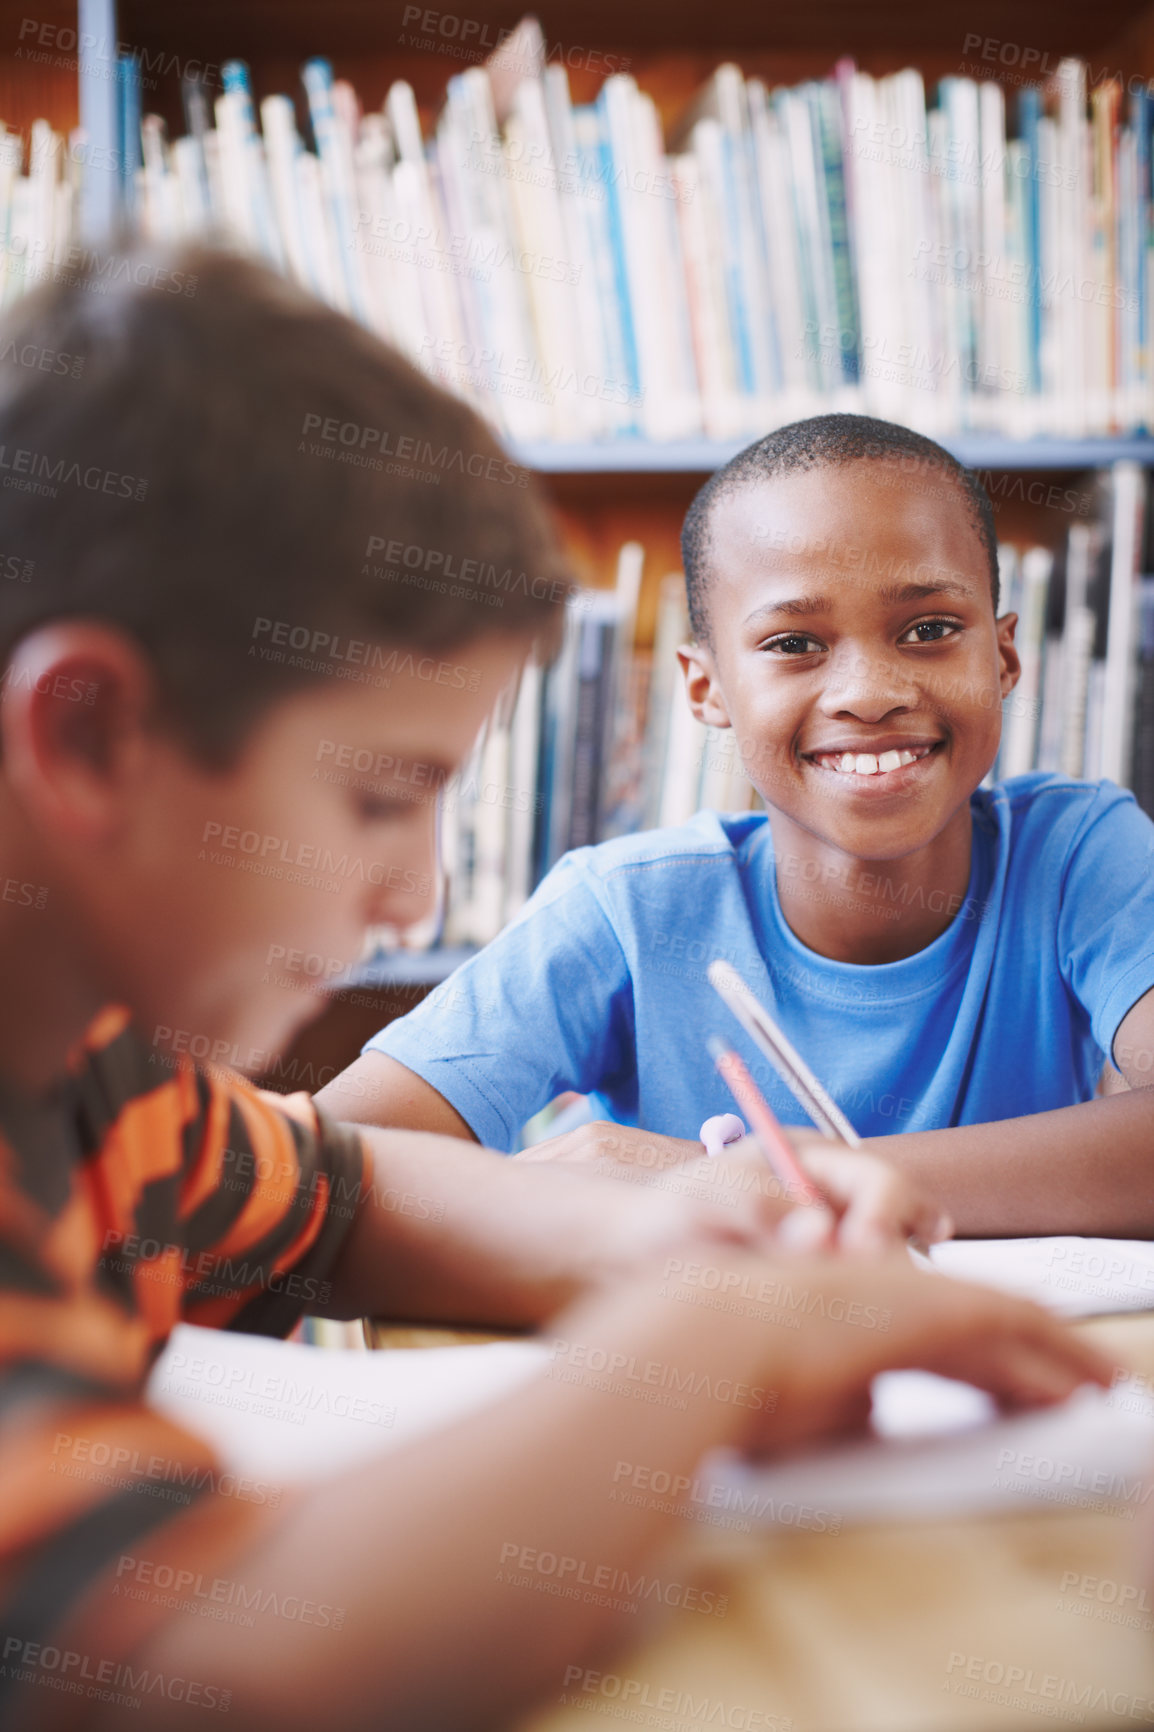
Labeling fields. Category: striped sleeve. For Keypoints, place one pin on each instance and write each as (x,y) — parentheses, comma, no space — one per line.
(270,1193)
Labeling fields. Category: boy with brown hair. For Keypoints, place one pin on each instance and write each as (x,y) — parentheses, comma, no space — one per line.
(184,505)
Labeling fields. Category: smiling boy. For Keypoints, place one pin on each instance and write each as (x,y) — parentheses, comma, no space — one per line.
(955,962)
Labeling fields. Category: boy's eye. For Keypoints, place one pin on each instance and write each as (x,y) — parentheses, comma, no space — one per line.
(793,643)
(931,631)
(374,809)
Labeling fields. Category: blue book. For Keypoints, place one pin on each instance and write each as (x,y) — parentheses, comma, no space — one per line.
(592,191)
(317,78)
(827,117)
(606,174)
(732,221)
(1141,113)
(128,113)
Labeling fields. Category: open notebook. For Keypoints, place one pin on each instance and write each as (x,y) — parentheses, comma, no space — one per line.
(1077,1277)
(280,1412)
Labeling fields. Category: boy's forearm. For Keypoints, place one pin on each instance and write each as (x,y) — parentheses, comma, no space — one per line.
(1085,1169)
(431,1553)
(446,1231)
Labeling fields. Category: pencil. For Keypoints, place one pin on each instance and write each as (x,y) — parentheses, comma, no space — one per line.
(775,1144)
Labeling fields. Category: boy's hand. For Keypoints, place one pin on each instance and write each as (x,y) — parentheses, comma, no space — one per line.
(870,1205)
(881,1316)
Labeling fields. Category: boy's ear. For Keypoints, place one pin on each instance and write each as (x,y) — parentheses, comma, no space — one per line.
(702,685)
(1010,663)
(76,704)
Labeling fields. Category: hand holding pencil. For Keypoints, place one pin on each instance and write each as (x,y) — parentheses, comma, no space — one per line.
(843,1196)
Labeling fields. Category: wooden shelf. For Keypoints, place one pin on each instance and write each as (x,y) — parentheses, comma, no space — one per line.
(224,27)
(702,456)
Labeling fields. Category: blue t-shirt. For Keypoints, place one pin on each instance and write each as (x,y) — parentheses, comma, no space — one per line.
(599,985)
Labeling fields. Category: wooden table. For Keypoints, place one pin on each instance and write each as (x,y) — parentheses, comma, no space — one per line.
(902,1627)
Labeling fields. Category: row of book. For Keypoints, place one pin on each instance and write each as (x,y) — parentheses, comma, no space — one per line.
(844,243)
(599,744)
(1084,704)
(603,742)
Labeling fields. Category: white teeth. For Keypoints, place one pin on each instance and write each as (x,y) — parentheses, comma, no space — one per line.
(871,763)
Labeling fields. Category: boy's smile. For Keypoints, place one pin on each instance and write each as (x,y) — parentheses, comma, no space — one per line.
(856,655)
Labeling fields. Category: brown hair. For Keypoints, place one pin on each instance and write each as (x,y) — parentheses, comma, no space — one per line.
(195,451)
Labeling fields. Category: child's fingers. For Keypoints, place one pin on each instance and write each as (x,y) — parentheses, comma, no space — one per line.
(811,1228)
(880,1207)
(1020,1353)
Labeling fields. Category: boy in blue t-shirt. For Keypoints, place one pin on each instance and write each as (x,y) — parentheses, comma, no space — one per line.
(956,963)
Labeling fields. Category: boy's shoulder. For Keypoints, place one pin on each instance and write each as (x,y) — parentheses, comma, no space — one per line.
(1047,820)
(724,837)
(1048,799)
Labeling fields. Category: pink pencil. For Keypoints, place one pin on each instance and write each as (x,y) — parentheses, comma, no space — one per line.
(775,1144)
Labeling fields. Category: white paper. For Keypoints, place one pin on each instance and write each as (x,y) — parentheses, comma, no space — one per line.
(939,1458)
(281,1411)
(1074,1276)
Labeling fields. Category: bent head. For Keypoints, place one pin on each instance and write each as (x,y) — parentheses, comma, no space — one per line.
(224,718)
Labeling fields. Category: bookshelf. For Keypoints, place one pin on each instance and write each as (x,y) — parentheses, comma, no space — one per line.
(702,456)
(604,491)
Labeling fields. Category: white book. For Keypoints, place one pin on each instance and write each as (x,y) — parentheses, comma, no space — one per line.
(552,279)
(43,178)
(796,347)
(665,410)
(420,221)
(685,752)
(1024,705)
(187,163)
(214,179)
(391,294)
(705,246)
(316,226)
(611,290)
(578,198)
(911,188)
(1072,209)
(724,784)
(681,365)
(337,182)
(1057,369)
(733,111)
(672,630)
(235,212)
(961,184)
(524,794)
(506,369)
(282,148)
(1077,647)
(999,377)
(1128,512)
(1017,419)
(23,272)
(494,779)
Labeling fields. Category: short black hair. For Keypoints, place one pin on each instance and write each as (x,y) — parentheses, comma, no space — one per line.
(824,441)
(193,450)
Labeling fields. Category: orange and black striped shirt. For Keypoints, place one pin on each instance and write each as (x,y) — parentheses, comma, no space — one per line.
(142,1192)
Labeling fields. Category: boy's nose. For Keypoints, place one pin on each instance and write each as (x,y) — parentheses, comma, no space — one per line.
(869,686)
(403,890)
